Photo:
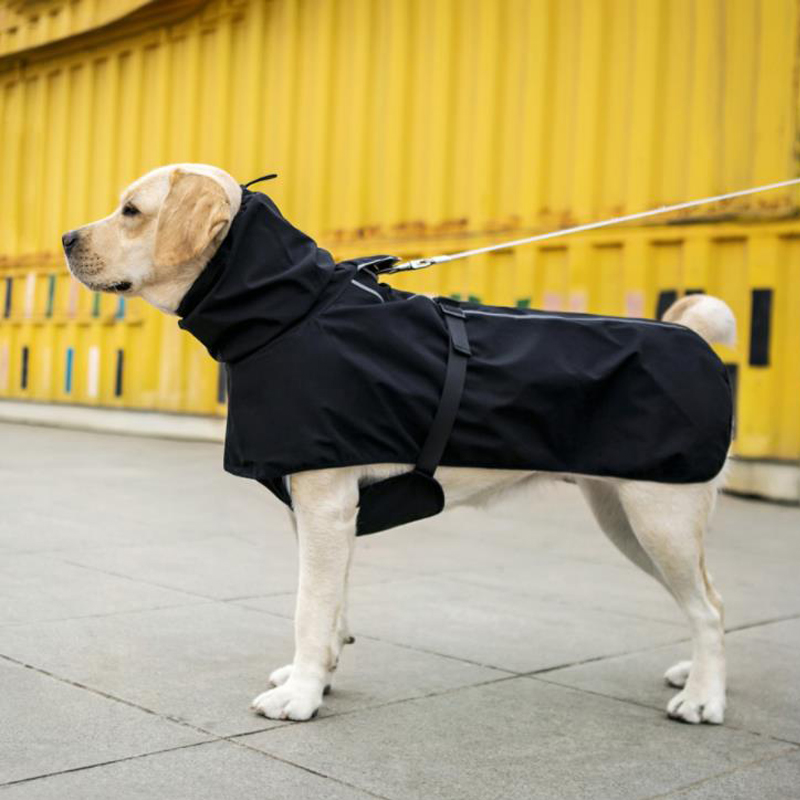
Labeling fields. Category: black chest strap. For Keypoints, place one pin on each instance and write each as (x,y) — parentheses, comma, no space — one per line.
(455,375)
(417,495)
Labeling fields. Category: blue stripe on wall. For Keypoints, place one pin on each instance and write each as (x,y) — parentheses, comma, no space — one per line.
(68,370)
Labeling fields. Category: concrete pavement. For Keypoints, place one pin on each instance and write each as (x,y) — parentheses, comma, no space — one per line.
(145,596)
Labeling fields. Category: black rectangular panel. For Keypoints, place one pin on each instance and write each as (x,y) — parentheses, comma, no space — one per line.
(665,299)
(23,373)
(760,324)
(118,376)
(9,289)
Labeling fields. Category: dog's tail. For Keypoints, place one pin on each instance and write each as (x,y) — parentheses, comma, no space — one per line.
(707,316)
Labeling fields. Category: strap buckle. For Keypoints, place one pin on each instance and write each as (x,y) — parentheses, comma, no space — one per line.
(456,327)
(453,311)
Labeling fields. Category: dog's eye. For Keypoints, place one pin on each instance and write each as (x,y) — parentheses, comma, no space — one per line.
(130,210)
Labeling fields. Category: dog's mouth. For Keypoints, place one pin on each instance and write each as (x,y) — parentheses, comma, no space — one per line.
(117,288)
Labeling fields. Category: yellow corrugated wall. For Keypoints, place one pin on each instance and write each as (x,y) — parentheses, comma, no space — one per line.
(412,127)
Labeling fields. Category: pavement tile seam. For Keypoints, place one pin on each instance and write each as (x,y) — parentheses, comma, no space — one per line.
(108,696)
(122,576)
(377,582)
(216,740)
(25,623)
(522,595)
(574,604)
(656,707)
(762,623)
(303,767)
(710,778)
(132,545)
(609,657)
(504,675)
(792,747)
(463,660)
(100,764)
(663,645)
(377,706)
(402,645)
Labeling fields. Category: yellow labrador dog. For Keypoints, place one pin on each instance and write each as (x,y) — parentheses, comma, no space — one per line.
(168,225)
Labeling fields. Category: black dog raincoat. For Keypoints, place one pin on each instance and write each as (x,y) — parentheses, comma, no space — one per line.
(327,367)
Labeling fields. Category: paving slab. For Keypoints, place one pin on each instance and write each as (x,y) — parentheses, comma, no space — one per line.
(47,726)
(138,542)
(770,779)
(104,490)
(215,771)
(515,739)
(780,632)
(763,678)
(34,588)
(600,585)
(755,587)
(205,664)
(754,526)
(501,629)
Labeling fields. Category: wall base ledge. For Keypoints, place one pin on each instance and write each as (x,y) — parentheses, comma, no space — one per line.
(770,480)
(115,420)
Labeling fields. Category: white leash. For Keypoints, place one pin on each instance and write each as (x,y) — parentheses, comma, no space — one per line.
(421,263)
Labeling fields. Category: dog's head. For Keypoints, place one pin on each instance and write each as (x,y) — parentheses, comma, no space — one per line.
(167,226)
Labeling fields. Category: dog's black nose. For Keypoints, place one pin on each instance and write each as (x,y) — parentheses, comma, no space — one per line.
(69,240)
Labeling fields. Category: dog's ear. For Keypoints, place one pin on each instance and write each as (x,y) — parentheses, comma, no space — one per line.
(195,211)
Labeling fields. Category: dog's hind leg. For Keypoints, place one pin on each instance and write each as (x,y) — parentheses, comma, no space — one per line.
(670,522)
(603,499)
(326,503)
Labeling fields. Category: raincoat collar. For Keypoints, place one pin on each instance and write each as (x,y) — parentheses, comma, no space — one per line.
(265,277)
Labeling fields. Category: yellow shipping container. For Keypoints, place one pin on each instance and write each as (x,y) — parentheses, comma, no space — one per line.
(413,127)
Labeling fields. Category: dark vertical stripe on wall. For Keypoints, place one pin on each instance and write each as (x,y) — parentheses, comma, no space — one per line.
(23,372)
(51,296)
(118,374)
(222,383)
(733,377)
(760,313)
(665,300)
(9,289)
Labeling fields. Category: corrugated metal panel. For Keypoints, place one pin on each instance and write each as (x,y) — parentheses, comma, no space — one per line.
(414,127)
(27,24)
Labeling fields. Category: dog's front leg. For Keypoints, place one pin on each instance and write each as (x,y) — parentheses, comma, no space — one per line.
(326,504)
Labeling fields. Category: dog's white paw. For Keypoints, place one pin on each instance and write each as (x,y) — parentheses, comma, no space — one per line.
(696,706)
(292,700)
(678,674)
(279,676)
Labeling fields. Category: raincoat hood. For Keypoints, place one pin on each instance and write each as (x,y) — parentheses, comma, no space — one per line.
(265,276)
